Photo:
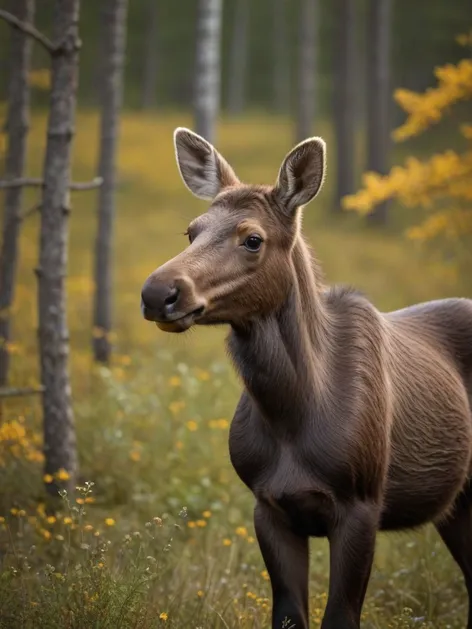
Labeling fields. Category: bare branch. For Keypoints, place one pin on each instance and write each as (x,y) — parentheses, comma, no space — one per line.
(87,185)
(20,182)
(29,29)
(29,211)
(18,392)
(37,183)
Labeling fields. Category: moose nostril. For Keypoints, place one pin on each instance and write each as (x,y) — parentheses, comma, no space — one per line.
(172,297)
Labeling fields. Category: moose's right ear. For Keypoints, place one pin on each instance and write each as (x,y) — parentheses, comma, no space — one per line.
(204,171)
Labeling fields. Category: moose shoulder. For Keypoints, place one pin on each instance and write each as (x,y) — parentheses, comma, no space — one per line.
(351,420)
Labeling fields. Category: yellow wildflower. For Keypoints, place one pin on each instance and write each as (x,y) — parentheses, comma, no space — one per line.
(175,381)
(135,455)
(110,522)
(206,514)
(227,542)
(2,519)
(46,534)
(241,531)
(80,501)
(163,616)
(191,524)
(192,425)
(62,474)
(89,499)
(50,519)
(14,511)
(67,520)
(176,407)
(265,575)
(201,523)
(200,593)
(203,375)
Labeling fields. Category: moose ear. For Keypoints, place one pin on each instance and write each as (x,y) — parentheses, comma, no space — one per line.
(204,171)
(301,174)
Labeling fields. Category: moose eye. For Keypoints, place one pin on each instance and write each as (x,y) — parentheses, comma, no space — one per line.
(253,243)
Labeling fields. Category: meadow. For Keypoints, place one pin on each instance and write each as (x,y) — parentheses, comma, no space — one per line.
(159,532)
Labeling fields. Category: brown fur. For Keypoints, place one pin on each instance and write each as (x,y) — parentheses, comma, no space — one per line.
(351,420)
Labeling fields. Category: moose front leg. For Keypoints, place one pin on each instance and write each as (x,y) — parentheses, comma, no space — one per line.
(352,544)
(286,558)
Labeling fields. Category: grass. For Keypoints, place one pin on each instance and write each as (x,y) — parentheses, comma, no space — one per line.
(164,536)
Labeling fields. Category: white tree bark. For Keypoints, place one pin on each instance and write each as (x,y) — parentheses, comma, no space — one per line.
(207,68)
(238,58)
(59,432)
(17,130)
(378,94)
(281,72)
(114,29)
(344,99)
(308,29)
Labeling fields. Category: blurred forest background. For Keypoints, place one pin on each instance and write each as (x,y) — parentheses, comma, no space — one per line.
(159,70)
(129,426)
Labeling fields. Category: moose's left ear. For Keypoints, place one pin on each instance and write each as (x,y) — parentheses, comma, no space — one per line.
(301,174)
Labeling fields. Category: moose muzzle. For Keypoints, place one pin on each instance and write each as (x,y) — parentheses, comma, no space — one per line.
(171,304)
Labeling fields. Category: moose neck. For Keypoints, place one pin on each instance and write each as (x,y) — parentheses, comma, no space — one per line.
(283,358)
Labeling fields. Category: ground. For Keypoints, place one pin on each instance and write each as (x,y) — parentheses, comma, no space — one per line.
(164,536)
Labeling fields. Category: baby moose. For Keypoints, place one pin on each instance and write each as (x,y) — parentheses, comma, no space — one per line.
(351,420)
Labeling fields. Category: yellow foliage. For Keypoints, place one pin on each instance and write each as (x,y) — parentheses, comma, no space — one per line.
(441,184)
(454,84)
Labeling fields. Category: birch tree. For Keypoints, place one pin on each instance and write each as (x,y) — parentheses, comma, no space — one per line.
(114,29)
(281,73)
(344,98)
(17,130)
(238,57)
(59,433)
(150,62)
(207,67)
(306,68)
(378,94)
(58,419)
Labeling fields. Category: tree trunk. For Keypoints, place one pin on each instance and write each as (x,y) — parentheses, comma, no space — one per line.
(306,68)
(344,98)
(238,58)
(378,94)
(17,130)
(59,432)
(114,29)
(207,68)
(281,74)
(148,96)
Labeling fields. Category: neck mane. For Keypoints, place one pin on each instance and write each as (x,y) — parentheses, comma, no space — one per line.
(283,358)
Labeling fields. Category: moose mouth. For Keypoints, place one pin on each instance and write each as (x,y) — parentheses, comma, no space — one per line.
(180,324)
